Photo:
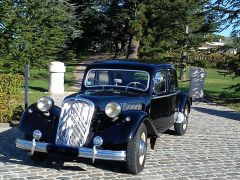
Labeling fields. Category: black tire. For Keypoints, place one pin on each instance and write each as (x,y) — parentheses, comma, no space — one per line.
(36,156)
(135,160)
(181,128)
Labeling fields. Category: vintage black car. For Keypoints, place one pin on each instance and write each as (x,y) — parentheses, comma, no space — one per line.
(120,105)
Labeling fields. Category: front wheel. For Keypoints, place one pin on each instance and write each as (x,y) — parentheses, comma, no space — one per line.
(137,150)
(181,128)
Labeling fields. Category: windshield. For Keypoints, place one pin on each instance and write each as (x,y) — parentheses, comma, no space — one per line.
(134,79)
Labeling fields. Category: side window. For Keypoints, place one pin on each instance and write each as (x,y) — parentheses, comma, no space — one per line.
(160,82)
(173,87)
(103,77)
(91,77)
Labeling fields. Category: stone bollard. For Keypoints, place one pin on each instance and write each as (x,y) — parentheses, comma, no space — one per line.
(56,78)
(197,76)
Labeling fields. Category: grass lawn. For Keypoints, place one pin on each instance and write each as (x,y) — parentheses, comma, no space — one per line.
(39,78)
(217,88)
(216,85)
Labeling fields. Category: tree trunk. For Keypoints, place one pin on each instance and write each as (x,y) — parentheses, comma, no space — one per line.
(133,48)
(183,66)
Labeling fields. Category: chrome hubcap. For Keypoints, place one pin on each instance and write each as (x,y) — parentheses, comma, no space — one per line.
(185,119)
(184,124)
(142,147)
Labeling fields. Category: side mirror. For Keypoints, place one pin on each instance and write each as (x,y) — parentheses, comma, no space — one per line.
(117,81)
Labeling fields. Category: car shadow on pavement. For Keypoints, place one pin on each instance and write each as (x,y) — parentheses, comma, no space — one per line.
(9,154)
(170,132)
(233,115)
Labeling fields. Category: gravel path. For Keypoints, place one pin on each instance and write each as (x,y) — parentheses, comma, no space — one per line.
(79,70)
(209,150)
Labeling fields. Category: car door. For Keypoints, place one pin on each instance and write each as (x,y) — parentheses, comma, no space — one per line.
(173,92)
(160,102)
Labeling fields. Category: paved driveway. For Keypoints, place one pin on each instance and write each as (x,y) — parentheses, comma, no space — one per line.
(209,150)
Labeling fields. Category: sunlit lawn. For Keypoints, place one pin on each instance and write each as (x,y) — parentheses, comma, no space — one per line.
(217,88)
(216,85)
(39,78)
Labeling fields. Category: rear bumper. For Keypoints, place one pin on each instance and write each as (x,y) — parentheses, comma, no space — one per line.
(79,152)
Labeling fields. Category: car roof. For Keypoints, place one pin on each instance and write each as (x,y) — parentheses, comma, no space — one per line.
(128,64)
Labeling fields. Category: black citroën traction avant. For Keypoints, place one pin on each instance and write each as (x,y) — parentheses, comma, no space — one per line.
(120,105)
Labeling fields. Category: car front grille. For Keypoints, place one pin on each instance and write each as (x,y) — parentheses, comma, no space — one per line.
(74,122)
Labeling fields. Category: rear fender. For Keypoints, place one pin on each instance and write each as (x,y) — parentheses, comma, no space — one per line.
(183,101)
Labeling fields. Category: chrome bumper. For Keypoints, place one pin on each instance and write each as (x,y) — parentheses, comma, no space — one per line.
(82,152)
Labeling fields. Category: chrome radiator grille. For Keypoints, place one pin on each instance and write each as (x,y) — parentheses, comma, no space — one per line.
(74,122)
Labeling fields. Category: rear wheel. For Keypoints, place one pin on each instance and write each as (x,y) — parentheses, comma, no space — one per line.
(181,128)
(137,150)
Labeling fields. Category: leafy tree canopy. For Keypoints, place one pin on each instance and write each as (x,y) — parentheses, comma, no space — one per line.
(35,32)
(144,27)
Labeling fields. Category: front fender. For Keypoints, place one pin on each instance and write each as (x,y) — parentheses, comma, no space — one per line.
(33,119)
(119,134)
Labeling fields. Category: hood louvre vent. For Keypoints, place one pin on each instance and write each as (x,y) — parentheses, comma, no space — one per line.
(131,106)
(74,122)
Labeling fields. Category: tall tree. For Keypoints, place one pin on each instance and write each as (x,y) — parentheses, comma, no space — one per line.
(7,22)
(137,9)
(167,22)
(40,31)
(145,28)
(227,12)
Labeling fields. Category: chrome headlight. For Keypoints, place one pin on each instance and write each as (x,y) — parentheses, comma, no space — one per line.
(113,109)
(44,104)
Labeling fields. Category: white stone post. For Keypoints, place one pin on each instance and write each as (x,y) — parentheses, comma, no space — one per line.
(56,78)
(197,76)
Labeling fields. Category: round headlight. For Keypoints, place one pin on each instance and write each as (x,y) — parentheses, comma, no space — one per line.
(44,104)
(113,109)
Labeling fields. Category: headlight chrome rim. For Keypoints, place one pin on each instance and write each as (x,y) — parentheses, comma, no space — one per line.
(113,109)
(45,104)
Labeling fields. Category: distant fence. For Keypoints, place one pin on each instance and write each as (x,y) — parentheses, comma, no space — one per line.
(212,58)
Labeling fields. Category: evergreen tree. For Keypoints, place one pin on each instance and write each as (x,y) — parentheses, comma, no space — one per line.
(7,24)
(166,29)
(145,28)
(39,30)
(227,13)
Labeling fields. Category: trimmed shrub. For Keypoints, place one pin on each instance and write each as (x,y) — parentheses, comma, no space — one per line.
(202,63)
(11,97)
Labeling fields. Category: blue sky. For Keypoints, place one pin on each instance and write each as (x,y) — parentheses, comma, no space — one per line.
(226,32)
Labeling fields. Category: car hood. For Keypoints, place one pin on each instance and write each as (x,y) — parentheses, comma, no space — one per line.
(103,97)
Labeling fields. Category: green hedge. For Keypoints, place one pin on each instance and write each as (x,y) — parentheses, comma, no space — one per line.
(11,97)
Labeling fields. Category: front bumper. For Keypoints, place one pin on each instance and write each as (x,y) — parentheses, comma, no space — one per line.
(79,152)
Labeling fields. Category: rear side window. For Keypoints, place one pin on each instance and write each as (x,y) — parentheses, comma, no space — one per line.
(173,86)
